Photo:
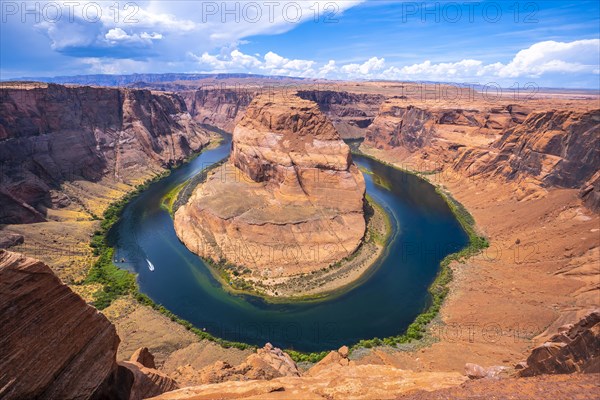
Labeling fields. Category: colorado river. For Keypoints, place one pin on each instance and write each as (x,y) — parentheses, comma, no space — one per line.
(383,305)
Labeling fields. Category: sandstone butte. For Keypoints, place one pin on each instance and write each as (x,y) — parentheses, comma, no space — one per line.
(288,201)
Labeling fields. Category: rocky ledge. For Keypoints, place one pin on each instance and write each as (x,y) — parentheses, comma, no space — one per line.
(55,346)
(289,200)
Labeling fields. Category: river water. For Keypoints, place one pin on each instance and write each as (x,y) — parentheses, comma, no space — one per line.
(386,302)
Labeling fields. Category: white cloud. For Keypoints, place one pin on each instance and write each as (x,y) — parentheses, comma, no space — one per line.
(274,62)
(551,56)
(236,61)
(116,35)
(328,69)
(271,64)
(364,70)
(180,26)
(539,60)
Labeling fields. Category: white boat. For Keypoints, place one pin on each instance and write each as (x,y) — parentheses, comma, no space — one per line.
(150,265)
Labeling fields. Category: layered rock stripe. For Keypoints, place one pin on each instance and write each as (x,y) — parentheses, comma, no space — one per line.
(288,201)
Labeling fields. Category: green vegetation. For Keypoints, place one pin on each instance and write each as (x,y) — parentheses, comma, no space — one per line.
(117,282)
(147,301)
(439,288)
(306,357)
(168,201)
(382,235)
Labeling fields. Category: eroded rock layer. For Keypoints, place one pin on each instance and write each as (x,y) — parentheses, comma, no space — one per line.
(290,199)
(53,345)
(52,134)
(350,113)
(556,148)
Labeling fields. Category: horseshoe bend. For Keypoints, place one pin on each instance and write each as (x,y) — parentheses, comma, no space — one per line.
(288,203)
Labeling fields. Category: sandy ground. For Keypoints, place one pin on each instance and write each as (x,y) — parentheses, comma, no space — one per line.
(542,270)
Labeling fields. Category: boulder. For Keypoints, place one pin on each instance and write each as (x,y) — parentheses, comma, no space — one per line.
(266,364)
(53,345)
(8,240)
(334,359)
(474,371)
(147,382)
(576,348)
(144,357)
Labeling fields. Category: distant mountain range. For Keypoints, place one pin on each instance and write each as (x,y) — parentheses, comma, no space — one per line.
(126,80)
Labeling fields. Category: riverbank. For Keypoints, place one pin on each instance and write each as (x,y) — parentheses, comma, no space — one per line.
(512,295)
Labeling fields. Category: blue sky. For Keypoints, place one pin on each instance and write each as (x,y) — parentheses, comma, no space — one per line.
(550,43)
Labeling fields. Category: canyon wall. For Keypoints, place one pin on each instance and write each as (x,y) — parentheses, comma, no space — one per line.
(555,148)
(53,134)
(400,124)
(222,108)
(350,113)
(548,148)
(53,345)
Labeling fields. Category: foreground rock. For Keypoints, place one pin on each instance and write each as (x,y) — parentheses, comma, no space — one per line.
(54,139)
(540,387)
(576,348)
(144,357)
(289,201)
(143,382)
(266,364)
(53,345)
(474,371)
(356,382)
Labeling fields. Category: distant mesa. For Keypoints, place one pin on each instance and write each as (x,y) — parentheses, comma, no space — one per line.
(288,201)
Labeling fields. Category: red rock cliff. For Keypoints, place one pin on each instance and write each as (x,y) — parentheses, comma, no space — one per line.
(51,134)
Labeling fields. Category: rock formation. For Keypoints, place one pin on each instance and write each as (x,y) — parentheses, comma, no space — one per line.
(539,387)
(53,345)
(51,135)
(288,201)
(576,348)
(474,371)
(222,108)
(144,357)
(143,382)
(356,382)
(267,363)
(590,193)
(350,113)
(334,359)
(556,148)
(400,124)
